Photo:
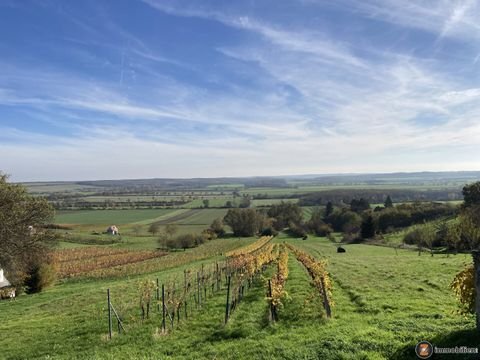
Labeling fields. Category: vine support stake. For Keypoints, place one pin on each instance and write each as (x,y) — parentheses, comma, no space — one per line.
(326,303)
(109,315)
(272,311)
(158,297)
(163,307)
(227,314)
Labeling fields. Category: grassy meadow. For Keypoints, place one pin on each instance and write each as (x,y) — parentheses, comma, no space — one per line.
(385,302)
(386,298)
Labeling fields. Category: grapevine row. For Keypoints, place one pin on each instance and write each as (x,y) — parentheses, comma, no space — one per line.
(277,284)
(319,274)
(250,248)
(242,269)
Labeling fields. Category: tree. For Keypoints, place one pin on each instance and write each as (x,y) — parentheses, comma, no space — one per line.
(229,204)
(453,237)
(244,222)
(154,228)
(25,244)
(217,227)
(246,201)
(470,232)
(206,203)
(344,220)
(171,229)
(471,194)
(284,214)
(359,205)
(328,209)
(166,237)
(388,202)
(368,228)
(186,241)
(316,224)
(428,236)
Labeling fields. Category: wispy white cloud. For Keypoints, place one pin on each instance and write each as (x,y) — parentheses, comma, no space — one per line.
(444,18)
(318,104)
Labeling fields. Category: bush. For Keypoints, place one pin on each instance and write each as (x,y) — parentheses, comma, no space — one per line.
(269,231)
(297,230)
(350,237)
(413,237)
(185,241)
(463,285)
(217,227)
(317,226)
(40,277)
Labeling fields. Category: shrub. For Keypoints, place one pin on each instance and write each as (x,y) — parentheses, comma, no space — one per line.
(463,285)
(40,277)
(217,227)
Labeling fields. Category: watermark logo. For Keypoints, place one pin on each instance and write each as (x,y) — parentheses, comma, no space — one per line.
(424,350)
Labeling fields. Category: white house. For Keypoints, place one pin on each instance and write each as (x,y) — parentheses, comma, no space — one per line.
(113,230)
(6,289)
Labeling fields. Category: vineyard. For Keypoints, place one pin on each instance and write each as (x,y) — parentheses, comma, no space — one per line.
(320,277)
(238,298)
(80,261)
(96,263)
(185,295)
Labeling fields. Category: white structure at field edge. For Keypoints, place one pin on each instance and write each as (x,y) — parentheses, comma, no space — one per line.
(6,287)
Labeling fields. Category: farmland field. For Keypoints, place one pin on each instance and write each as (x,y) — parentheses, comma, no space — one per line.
(203,217)
(384,299)
(106,217)
(385,302)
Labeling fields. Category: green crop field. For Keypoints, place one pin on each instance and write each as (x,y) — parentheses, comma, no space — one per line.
(106,217)
(268,202)
(213,201)
(385,302)
(203,217)
(58,187)
(316,188)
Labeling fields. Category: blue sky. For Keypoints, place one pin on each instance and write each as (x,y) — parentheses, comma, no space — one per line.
(157,88)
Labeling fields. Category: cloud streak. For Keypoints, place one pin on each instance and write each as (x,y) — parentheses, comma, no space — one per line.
(273,99)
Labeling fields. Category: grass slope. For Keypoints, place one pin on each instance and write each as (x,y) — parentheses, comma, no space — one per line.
(385,304)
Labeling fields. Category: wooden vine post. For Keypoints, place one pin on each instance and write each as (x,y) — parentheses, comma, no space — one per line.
(326,302)
(227,306)
(272,310)
(158,297)
(163,308)
(109,315)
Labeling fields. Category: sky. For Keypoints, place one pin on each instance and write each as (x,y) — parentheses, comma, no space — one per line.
(104,89)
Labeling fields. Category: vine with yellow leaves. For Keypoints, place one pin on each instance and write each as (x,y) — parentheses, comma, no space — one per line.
(276,290)
(320,276)
(463,285)
(242,269)
(250,248)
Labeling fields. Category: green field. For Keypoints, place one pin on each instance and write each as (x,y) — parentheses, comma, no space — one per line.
(58,187)
(315,188)
(133,225)
(269,202)
(203,217)
(108,217)
(385,302)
